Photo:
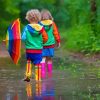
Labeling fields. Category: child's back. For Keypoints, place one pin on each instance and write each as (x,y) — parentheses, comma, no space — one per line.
(34,36)
(34,40)
(51,30)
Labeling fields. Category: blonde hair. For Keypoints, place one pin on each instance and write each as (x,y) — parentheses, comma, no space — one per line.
(45,15)
(33,15)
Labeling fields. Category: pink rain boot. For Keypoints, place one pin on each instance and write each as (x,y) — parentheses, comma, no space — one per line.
(43,72)
(49,65)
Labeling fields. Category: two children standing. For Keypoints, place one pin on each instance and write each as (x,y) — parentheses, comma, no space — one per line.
(40,37)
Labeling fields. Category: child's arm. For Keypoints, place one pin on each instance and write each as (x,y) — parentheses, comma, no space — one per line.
(23,37)
(44,35)
(56,34)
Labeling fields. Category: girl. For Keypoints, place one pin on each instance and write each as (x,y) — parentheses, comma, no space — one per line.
(48,47)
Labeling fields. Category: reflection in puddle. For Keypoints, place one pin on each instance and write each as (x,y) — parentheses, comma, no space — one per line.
(10,96)
(29,91)
(63,86)
(48,91)
(44,90)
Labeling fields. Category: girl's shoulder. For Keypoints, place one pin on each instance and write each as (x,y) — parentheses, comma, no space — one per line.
(46,22)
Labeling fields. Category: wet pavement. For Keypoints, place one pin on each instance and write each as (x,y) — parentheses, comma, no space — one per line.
(64,85)
(72,80)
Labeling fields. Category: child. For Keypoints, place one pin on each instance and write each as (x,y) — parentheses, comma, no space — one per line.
(53,38)
(34,36)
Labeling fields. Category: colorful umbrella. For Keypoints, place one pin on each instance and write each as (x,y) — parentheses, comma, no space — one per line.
(13,40)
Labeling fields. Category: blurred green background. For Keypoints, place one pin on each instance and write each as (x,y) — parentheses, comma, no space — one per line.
(78,20)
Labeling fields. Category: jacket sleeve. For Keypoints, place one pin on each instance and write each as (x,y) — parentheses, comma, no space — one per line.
(44,35)
(23,36)
(56,33)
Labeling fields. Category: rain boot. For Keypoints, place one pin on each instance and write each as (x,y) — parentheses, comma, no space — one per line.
(38,72)
(43,70)
(28,73)
(49,67)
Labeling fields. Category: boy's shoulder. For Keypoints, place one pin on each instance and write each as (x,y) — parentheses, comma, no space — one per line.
(46,22)
(37,27)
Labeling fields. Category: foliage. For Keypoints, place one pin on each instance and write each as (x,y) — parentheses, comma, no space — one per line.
(73,17)
(81,38)
(9,11)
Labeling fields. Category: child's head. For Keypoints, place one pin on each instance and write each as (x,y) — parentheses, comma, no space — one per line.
(46,15)
(33,15)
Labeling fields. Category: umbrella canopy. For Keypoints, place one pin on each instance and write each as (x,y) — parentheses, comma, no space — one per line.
(13,40)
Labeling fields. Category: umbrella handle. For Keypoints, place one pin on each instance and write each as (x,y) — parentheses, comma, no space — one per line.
(4,41)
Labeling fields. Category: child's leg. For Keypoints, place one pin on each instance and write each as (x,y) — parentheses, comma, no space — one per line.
(43,65)
(29,69)
(38,72)
(49,66)
(28,73)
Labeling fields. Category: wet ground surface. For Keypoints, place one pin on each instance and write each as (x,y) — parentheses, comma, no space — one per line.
(3,50)
(64,85)
(72,80)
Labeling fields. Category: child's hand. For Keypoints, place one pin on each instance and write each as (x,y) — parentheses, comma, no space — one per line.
(58,45)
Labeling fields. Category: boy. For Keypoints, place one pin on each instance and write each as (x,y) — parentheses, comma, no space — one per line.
(34,36)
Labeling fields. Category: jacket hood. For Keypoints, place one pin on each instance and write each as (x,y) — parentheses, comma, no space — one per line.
(46,22)
(34,28)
